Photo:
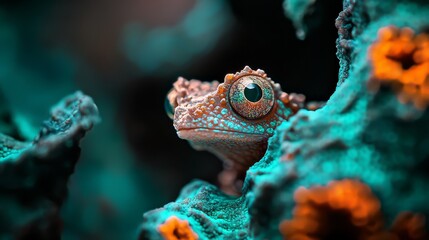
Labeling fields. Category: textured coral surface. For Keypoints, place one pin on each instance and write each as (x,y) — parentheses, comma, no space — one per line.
(34,175)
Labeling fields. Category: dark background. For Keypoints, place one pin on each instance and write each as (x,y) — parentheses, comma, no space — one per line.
(133,161)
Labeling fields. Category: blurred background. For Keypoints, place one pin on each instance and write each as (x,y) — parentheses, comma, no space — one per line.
(126,55)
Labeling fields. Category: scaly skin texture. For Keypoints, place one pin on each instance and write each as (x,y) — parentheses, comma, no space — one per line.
(220,119)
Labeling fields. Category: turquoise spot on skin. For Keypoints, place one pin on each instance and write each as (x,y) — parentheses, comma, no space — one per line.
(210,125)
(224,111)
(230,124)
(273,124)
(215,121)
(251,128)
(270,130)
(260,129)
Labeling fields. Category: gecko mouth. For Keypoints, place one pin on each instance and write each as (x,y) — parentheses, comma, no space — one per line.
(234,146)
(215,134)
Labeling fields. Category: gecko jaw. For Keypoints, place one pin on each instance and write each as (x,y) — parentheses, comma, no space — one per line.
(238,148)
(210,134)
(216,130)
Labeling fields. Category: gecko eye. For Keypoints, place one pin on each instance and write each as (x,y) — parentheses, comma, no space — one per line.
(251,97)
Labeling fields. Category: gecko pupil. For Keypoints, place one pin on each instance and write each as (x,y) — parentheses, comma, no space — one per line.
(253,92)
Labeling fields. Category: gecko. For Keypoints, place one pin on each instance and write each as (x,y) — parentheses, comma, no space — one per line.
(233,119)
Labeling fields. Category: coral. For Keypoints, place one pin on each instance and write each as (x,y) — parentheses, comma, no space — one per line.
(359,134)
(150,48)
(409,226)
(212,214)
(342,210)
(400,59)
(177,229)
(34,175)
(346,209)
(297,11)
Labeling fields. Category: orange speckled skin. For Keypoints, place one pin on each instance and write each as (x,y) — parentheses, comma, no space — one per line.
(177,229)
(203,115)
(401,58)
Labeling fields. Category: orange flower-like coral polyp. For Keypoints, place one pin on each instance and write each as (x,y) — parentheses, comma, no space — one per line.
(342,210)
(409,226)
(401,58)
(346,209)
(177,229)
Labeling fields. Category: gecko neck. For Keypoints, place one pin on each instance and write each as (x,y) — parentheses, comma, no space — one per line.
(238,153)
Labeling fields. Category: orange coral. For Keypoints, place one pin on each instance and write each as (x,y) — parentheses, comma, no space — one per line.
(346,209)
(409,226)
(401,58)
(342,210)
(177,229)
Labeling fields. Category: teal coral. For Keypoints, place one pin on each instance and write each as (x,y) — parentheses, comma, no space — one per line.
(297,11)
(358,134)
(151,48)
(34,175)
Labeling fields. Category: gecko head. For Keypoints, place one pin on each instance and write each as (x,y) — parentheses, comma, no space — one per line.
(233,119)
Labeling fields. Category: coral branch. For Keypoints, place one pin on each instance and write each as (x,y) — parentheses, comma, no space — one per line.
(34,175)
